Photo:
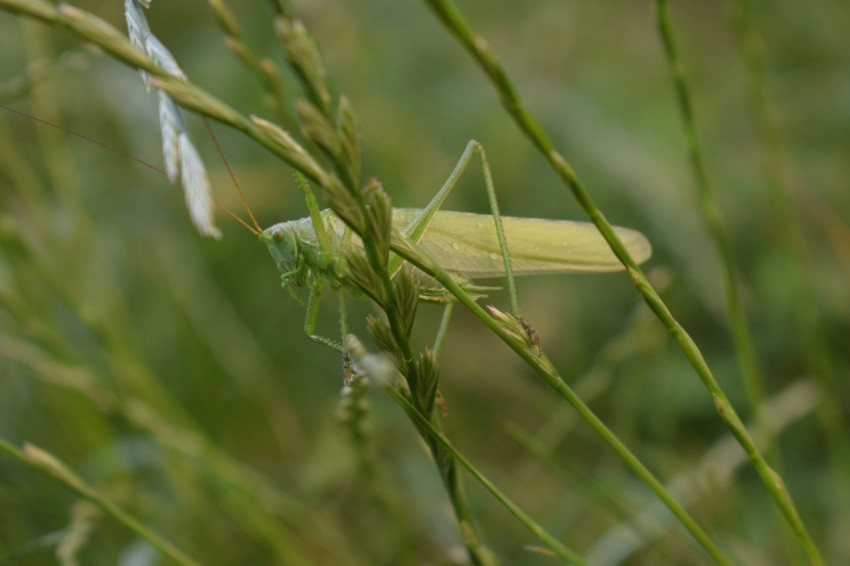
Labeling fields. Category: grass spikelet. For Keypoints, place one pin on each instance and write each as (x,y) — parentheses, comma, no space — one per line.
(178,151)
(189,395)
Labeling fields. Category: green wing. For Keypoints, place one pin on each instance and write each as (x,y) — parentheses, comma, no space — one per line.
(466,243)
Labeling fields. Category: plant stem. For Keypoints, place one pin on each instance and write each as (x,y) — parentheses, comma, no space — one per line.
(436,436)
(741,335)
(480,51)
(540,363)
(41,460)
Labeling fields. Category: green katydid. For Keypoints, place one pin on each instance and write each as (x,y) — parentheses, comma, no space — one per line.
(309,252)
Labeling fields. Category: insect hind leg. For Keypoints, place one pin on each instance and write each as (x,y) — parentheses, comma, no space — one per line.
(417,228)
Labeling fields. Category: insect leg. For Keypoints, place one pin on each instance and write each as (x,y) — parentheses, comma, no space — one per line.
(441,332)
(315,214)
(500,231)
(318,285)
(530,333)
(343,311)
(343,317)
(316,288)
(419,225)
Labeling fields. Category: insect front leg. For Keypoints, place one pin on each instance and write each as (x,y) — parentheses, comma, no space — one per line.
(317,286)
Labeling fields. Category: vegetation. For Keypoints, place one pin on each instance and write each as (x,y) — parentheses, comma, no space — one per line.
(159,399)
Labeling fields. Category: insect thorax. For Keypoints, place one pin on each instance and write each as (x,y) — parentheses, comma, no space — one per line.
(297,252)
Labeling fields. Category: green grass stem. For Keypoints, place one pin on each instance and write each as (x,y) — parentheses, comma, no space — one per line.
(39,459)
(480,51)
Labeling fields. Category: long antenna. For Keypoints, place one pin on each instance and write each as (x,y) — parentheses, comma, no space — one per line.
(113,149)
(257,228)
(235,216)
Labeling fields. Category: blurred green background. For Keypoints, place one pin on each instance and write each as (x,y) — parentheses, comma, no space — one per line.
(171,372)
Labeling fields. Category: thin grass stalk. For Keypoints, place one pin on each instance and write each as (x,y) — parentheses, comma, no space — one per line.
(437,436)
(775,179)
(641,335)
(86,25)
(352,412)
(30,187)
(718,464)
(113,42)
(742,336)
(478,552)
(263,67)
(478,48)
(38,70)
(188,95)
(159,417)
(282,7)
(39,459)
(541,364)
(281,144)
(61,169)
(604,496)
(36,276)
(785,201)
(367,212)
(410,370)
(257,501)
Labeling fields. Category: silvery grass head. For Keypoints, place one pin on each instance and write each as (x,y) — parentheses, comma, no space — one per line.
(181,157)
